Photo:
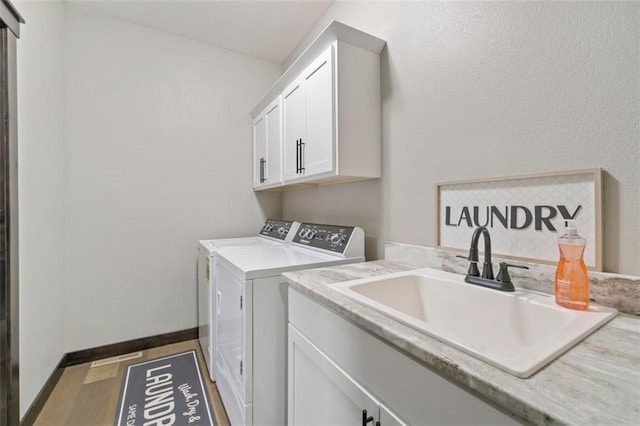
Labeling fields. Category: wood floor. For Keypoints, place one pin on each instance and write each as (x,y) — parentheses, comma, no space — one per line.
(88,396)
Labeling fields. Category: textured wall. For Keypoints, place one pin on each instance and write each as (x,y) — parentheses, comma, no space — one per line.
(488,89)
(158,154)
(134,144)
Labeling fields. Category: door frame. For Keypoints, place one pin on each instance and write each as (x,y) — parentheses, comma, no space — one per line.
(10,21)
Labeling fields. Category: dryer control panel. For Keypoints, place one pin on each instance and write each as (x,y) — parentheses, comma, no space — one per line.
(278,229)
(326,237)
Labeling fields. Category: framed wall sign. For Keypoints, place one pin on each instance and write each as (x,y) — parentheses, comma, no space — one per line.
(525,215)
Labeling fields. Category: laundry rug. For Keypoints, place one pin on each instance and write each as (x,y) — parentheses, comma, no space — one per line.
(163,392)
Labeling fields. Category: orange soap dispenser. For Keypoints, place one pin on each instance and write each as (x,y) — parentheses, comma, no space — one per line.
(572,278)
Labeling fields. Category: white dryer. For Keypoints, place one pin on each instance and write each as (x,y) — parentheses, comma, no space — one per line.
(274,233)
(250,360)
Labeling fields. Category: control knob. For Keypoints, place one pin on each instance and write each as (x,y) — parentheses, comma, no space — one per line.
(282,230)
(337,238)
(312,233)
(268,227)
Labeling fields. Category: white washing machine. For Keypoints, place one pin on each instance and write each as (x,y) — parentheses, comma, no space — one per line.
(274,233)
(250,360)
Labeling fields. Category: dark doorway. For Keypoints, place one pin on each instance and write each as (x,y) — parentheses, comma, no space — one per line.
(9,387)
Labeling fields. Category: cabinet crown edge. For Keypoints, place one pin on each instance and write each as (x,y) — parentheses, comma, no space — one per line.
(334,31)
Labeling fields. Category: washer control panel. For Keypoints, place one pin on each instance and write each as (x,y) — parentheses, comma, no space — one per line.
(276,228)
(326,237)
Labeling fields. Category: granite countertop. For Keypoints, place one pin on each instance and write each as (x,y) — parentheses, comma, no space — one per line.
(596,382)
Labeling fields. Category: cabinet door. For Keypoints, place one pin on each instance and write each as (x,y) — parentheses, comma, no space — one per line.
(272,167)
(319,145)
(259,149)
(319,392)
(295,124)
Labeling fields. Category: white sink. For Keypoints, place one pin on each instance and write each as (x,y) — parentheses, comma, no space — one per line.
(519,332)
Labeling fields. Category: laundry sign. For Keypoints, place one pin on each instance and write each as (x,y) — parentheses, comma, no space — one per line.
(525,215)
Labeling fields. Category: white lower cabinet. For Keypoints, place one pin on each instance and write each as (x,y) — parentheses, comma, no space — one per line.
(321,393)
(336,370)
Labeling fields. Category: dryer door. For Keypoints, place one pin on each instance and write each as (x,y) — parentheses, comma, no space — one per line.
(233,332)
(206,292)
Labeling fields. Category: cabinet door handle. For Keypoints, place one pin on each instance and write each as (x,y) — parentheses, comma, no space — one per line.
(219,301)
(366,419)
(297,155)
(262,163)
(301,157)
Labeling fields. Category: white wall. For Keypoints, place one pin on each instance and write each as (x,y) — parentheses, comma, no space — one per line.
(486,89)
(140,146)
(134,144)
(42,194)
(159,142)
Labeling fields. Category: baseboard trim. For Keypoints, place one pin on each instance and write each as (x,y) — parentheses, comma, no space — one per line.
(38,403)
(100,352)
(115,349)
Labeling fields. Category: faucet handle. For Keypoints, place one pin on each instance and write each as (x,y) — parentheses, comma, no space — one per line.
(473,266)
(503,274)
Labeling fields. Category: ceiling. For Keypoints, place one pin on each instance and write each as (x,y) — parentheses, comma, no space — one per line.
(267,29)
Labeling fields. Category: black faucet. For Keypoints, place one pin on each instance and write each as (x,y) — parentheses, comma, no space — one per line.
(503,281)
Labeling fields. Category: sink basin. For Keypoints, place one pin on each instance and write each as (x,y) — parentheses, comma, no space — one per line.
(519,332)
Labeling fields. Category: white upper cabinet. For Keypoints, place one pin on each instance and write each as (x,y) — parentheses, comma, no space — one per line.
(267,146)
(295,130)
(308,120)
(331,117)
(259,150)
(317,150)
